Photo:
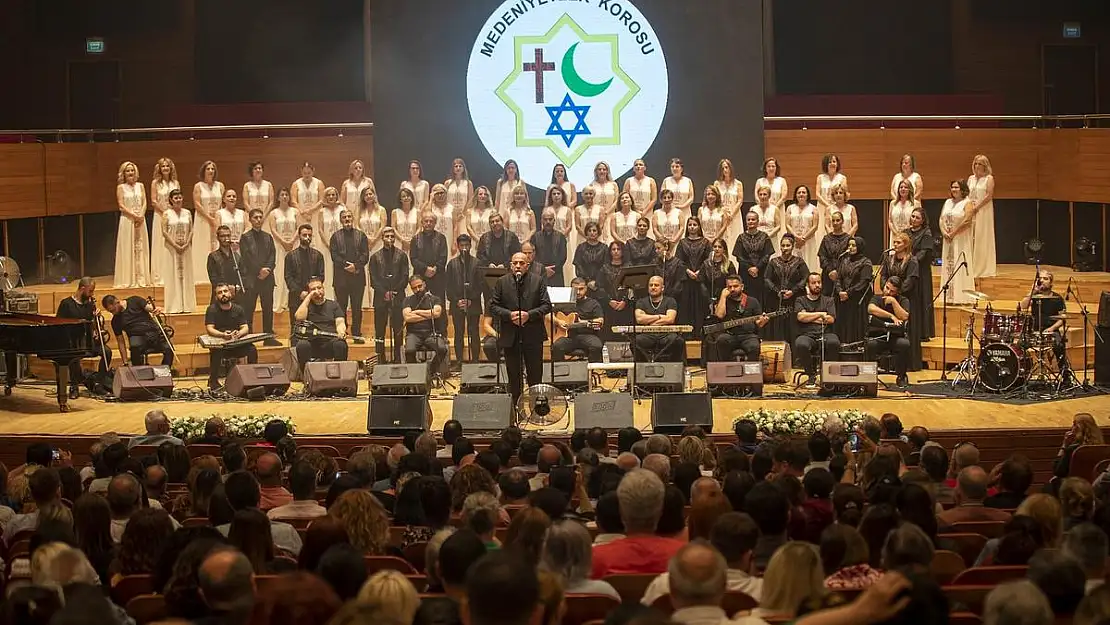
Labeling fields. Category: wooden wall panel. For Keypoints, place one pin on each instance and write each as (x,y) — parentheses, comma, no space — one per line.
(21,187)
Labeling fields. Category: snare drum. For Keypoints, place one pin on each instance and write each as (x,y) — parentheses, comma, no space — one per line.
(1002,367)
(775,356)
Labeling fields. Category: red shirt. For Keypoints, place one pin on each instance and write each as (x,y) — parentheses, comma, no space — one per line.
(635,554)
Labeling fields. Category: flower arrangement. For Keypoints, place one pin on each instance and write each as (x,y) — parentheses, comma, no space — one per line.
(803,423)
(238,426)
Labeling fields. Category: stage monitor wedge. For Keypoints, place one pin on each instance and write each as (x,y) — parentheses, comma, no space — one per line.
(482,412)
(142,382)
(256,381)
(735,379)
(570,375)
(858,379)
(331,378)
(393,415)
(673,412)
(611,411)
(482,377)
(660,377)
(401,379)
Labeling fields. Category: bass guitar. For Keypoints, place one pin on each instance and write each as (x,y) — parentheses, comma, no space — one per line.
(307,330)
(709,329)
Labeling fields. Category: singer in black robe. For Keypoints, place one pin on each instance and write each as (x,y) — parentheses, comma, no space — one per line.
(829,253)
(855,293)
(712,276)
(753,250)
(616,303)
(924,250)
(903,265)
(640,249)
(692,251)
(550,247)
(784,281)
(669,268)
(589,258)
(464,296)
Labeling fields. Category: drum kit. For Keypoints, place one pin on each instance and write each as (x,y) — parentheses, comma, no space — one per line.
(1013,355)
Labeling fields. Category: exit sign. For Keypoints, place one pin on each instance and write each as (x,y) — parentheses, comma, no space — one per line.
(1072,30)
(94,45)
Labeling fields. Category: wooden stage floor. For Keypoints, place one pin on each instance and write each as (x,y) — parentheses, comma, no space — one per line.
(33,410)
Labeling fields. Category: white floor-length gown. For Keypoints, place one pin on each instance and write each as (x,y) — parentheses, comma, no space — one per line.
(801,219)
(770,219)
(985,263)
(732,195)
(180,290)
(354,195)
(900,213)
(625,225)
(824,201)
(235,220)
(683,191)
(132,243)
(285,224)
(518,223)
(915,182)
(952,216)
(329,225)
(204,233)
(713,223)
(640,190)
(370,222)
(159,256)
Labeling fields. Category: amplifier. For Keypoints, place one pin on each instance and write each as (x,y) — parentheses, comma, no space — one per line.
(735,379)
(673,412)
(393,415)
(611,411)
(856,378)
(482,412)
(482,377)
(331,379)
(401,379)
(256,381)
(568,376)
(142,382)
(660,377)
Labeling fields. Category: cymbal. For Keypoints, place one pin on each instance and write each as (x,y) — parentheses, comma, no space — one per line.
(970,311)
(1061,317)
(979,295)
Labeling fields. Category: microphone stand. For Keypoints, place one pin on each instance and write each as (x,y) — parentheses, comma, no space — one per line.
(1098,337)
(519,340)
(943,294)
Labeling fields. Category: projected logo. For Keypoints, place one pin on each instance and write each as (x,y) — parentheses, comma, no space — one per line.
(575,83)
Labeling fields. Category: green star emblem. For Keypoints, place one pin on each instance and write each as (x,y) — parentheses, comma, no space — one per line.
(502,90)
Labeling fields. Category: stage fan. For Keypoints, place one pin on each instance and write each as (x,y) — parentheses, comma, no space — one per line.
(542,406)
(10,276)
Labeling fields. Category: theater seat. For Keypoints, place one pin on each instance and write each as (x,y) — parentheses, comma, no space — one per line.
(989,575)
(147,608)
(630,587)
(582,609)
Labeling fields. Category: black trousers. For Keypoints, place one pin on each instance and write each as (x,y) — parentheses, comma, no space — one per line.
(533,363)
(294,304)
(321,349)
(490,349)
(806,347)
(216,356)
(76,375)
(728,345)
(466,327)
(388,313)
(263,291)
(415,342)
(888,344)
(590,344)
(348,291)
(651,347)
(142,345)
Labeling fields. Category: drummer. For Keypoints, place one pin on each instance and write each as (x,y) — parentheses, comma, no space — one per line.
(1046,308)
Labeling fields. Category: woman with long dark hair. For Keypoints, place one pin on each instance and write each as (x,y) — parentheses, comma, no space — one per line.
(833,245)
(615,301)
(903,264)
(784,280)
(92,526)
(640,249)
(924,250)
(590,256)
(692,251)
(753,250)
(715,269)
(855,293)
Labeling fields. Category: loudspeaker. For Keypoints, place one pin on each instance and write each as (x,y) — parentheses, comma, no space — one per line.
(735,379)
(401,379)
(482,377)
(142,382)
(568,376)
(331,379)
(257,381)
(1104,311)
(1102,356)
(619,351)
(482,412)
(393,415)
(611,411)
(857,378)
(660,377)
(673,412)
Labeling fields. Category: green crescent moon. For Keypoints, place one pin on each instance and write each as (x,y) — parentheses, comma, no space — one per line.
(575,82)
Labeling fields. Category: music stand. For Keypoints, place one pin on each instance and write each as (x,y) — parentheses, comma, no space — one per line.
(562,300)
(490,276)
(633,278)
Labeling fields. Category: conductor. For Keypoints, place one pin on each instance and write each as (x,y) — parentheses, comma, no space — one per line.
(520,303)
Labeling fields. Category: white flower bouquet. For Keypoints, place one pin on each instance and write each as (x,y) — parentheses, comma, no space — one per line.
(238,426)
(802,423)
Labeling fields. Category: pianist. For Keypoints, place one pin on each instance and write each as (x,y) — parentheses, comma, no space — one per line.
(886,331)
(326,317)
(82,305)
(657,310)
(137,333)
(226,320)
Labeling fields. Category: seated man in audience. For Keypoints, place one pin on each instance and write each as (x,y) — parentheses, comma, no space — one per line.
(1088,545)
(971,490)
(215,433)
(1017,603)
(502,588)
(743,340)
(549,457)
(452,429)
(514,487)
(456,555)
(529,453)
(224,319)
(154,483)
(1060,578)
(627,461)
(324,315)
(791,458)
(1014,476)
(698,576)
(423,314)
(462,452)
(243,492)
(770,509)
(747,435)
(302,483)
(226,583)
(934,462)
(659,465)
(815,314)
(820,452)
(582,339)
(124,498)
(157,431)
(657,309)
(268,470)
(918,436)
(964,455)
(640,494)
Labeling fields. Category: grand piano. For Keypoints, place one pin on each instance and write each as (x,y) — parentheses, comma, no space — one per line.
(50,338)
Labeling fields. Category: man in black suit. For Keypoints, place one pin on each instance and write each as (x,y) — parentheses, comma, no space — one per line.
(225,265)
(551,249)
(301,264)
(259,256)
(520,302)
(350,251)
(464,292)
(389,272)
(498,245)
(428,254)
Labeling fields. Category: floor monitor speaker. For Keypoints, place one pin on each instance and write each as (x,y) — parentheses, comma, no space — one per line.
(256,381)
(673,412)
(142,382)
(393,415)
(331,379)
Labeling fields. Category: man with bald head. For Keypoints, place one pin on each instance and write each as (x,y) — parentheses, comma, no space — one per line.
(157,431)
(971,489)
(124,498)
(549,457)
(698,576)
(268,471)
(659,465)
(520,303)
(628,461)
(550,248)
(704,487)
(226,582)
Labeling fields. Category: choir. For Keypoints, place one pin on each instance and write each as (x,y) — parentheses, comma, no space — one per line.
(779,247)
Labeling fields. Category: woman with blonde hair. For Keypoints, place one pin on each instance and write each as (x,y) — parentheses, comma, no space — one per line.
(605,189)
(731,191)
(526,533)
(391,594)
(903,265)
(446,217)
(552,597)
(520,219)
(459,187)
(1077,500)
(477,212)
(714,216)
(208,195)
(557,200)
(416,183)
(163,181)
(839,196)
(364,519)
(793,574)
(907,171)
(132,242)
(980,197)
(329,223)
(1083,431)
(350,192)
(901,208)
(372,219)
(1046,512)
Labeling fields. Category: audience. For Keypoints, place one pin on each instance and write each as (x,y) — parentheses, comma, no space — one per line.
(1087,544)
(567,551)
(640,495)
(793,574)
(268,470)
(846,558)
(1077,501)
(734,536)
(770,509)
(1014,477)
(1060,578)
(242,491)
(1017,603)
(145,536)
(457,554)
(157,431)
(302,484)
(697,577)
(971,490)
(391,596)
(501,589)
(226,585)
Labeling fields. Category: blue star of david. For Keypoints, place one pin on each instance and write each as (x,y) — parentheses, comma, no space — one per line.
(556,128)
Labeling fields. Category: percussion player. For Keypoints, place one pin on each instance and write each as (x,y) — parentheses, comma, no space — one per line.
(226,320)
(82,305)
(137,333)
(1043,307)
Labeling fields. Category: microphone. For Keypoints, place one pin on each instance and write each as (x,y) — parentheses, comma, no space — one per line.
(886,251)
(843,254)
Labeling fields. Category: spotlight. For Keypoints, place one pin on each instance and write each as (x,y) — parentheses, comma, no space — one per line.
(1086,255)
(1034,250)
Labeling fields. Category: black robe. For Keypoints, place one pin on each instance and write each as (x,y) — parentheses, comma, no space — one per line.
(753,249)
(851,314)
(924,251)
(783,275)
(639,251)
(608,291)
(712,279)
(588,259)
(832,246)
(673,274)
(692,304)
(911,284)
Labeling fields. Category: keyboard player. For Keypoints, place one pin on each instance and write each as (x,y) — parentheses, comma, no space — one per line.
(657,309)
(226,320)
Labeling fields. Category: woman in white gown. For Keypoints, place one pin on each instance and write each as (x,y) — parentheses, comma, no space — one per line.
(644,190)
(901,209)
(417,184)
(208,195)
(980,186)
(258,192)
(622,223)
(589,211)
(559,179)
(176,237)
(713,215)
(830,176)
(556,200)
(770,216)
(731,191)
(446,218)
(803,222)
(329,225)
(522,220)
(667,219)
(306,194)
(681,187)
(232,216)
(459,187)
(840,195)
(163,181)
(605,189)
(132,242)
(772,177)
(506,184)
(351,189)
(907,170)
(282,224)
(956,229)
(477,213)
(371,220)
(406,219)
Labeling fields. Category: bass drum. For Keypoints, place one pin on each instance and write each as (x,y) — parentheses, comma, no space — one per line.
(1002,367)
(775,357)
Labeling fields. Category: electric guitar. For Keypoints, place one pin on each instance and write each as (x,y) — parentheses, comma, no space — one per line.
(709,329)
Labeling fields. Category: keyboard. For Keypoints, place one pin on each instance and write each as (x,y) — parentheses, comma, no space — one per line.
(652,329)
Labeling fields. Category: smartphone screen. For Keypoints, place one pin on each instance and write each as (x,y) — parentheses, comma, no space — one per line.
(853,440)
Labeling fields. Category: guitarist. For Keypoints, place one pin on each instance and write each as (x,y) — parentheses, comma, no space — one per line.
(889,314)
(326,316)
(733,303)
(226,320)
(586,310)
